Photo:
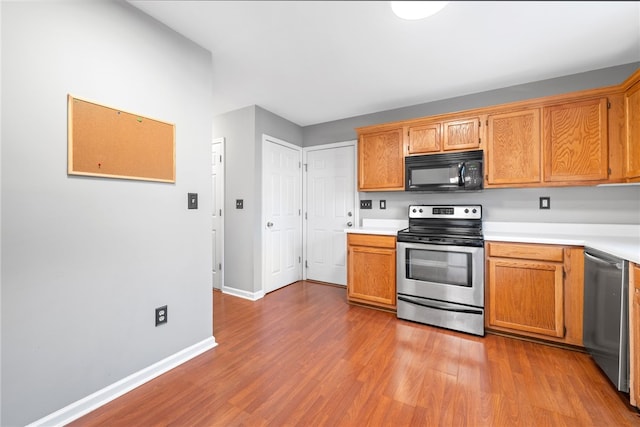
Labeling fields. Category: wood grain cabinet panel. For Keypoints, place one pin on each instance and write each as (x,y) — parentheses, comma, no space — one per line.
(526,296)
(461,134)
(535,290)
(575,141)
(371,270)
(632,120)
(381,161)
(513,148)
(424,138)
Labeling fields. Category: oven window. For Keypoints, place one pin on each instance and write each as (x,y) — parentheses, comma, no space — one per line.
(446,267)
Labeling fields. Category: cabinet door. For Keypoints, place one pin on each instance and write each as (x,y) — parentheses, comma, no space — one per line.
(526,296)
(381,161)
(514,147)
(575,141)
(371,275)
(461,134)
(632,115)
(424,138)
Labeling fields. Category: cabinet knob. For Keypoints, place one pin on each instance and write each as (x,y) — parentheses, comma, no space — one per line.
(349,224)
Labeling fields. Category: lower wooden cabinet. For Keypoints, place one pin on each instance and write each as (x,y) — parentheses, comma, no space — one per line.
(634,333)
(535,290)
(371,270)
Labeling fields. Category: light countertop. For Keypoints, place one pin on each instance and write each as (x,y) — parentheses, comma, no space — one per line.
(387,227)
(620,240)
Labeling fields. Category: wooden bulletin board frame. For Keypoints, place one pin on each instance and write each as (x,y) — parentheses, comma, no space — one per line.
(108,142)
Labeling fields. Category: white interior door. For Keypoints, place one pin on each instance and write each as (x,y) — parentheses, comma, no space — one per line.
(282,213)
(330,209)
(217,223)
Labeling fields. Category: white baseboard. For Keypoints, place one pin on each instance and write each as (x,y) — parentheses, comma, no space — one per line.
(101,397)
(253,296)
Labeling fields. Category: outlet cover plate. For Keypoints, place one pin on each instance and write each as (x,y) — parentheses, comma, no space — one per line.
(162,315)
(366,204)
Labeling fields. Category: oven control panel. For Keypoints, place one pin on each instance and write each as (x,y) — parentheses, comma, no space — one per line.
(446,212)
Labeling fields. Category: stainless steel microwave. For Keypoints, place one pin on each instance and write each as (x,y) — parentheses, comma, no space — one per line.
(460,171)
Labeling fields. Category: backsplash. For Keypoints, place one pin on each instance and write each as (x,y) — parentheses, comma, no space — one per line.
(608,204)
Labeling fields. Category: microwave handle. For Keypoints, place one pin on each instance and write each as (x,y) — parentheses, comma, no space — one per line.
(461,172)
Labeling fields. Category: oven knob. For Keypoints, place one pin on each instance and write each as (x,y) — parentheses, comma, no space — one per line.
(466,211)
(474,211)
(414,210)
(420,210)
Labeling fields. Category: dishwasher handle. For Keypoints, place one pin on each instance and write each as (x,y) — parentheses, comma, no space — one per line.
(617,265)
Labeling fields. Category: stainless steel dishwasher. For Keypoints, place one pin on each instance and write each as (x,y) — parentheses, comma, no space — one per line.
(606,314)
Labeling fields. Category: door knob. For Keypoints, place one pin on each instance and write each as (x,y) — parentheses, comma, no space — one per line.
(349,214)
(269,224)
(349,224)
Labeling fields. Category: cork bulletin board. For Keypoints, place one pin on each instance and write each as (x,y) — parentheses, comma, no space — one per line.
(108,142)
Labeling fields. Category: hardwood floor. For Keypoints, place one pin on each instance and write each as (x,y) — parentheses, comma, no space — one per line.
(303,356)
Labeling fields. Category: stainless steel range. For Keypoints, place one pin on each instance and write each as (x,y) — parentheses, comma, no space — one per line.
(440,267)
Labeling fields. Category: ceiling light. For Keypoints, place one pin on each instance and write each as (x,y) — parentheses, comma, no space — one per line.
(417,9)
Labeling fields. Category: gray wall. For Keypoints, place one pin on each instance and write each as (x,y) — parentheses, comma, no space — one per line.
(588,205)
(243,130)
(85,261)
(344,130)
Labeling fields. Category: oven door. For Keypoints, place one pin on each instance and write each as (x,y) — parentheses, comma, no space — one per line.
(453,274)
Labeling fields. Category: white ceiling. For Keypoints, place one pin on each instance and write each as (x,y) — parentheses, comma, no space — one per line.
(313,62)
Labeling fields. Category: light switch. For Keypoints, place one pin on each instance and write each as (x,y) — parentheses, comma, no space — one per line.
(192,200)
(545,202)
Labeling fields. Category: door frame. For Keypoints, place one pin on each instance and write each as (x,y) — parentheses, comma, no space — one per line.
(356,214)
(222,143)
(266,139)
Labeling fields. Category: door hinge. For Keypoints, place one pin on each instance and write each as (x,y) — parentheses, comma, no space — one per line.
(479,141)
(608,104)
(220,212)
(487,122)
(299,165)
(299,212)
(220,266)
(220,158)
(479,123)
(305,216)
(299,260)
(306,169)
(609,171)
(306,264)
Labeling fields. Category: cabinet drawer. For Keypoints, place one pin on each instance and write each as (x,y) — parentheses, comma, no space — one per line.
(526,251)
(373,240)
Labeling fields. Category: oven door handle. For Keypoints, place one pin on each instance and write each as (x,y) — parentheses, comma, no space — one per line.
(439,306)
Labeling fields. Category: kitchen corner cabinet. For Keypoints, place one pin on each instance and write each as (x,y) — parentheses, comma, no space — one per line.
(381,160)
(575,141)
(458,134)
(535,290)
(632,121)
(634,335)
(513,148)
(371,270)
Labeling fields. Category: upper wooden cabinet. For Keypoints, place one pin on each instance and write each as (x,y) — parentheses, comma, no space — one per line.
(513,148)
(575,141)
(632,121)
(381,161)
(458,134)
